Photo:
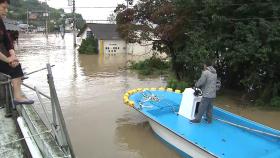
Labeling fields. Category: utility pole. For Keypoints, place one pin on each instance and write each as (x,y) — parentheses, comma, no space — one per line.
(74,24)
(47,16)
(27,20)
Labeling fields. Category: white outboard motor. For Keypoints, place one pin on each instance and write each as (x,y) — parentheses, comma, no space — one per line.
(189,104)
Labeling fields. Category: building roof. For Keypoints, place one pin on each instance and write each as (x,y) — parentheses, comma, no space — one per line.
(102,31)
(11,25)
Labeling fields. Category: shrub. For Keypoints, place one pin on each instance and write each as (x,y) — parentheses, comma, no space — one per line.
(275,101)
(153,65)
(174,84)
(259,102)
(89,46)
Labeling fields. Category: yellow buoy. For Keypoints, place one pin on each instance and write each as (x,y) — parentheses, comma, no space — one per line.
(139,89)
(126,94)
(153,89)
(177,91)
(125,97)
(131,103)
(169,89)
(161,88)
(126,101)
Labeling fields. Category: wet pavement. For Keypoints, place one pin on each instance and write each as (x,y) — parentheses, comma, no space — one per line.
(8,134)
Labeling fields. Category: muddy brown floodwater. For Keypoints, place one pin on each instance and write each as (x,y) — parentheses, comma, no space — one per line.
(90,90)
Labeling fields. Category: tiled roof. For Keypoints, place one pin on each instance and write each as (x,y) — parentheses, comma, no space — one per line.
(103,31)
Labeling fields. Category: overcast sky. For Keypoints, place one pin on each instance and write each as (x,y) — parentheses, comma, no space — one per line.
(88,13)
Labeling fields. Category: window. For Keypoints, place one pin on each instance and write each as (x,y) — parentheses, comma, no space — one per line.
(89,34)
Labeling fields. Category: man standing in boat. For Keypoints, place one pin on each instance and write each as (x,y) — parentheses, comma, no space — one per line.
(207,83)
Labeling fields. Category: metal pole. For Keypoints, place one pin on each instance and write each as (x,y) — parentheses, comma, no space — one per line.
(35,90)
(74,24)
(60,119)
(27,20)
(38,70)
(47,16)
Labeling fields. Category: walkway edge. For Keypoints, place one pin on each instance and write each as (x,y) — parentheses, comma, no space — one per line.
(45,142)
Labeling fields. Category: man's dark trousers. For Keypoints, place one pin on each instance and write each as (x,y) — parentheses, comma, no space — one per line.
(205,106)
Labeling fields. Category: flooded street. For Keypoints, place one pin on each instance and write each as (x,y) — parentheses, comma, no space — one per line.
(90,89)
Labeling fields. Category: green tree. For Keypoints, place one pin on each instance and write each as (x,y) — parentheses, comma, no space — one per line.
(153,21)
(89,46)
(18,11)
(242,37)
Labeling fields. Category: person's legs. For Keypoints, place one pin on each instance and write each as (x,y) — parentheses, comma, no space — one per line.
(201,110)
(16,74)
(209,111)
(16,82)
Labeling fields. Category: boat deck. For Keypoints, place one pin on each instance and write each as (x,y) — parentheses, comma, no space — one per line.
(218,138)
(9,133)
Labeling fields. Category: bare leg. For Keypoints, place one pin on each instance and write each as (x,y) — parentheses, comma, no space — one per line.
(16,82)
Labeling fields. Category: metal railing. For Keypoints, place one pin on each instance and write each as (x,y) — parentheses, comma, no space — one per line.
(57,123)
(6,94)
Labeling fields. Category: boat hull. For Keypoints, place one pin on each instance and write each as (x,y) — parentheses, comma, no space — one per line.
(178,142)
(227,134)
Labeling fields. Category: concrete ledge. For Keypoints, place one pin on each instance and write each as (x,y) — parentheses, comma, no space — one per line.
(46,142)
(8,133)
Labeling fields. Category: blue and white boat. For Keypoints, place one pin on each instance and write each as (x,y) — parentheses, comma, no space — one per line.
(228,136)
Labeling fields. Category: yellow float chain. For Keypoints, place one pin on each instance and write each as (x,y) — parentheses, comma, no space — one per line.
(130,92)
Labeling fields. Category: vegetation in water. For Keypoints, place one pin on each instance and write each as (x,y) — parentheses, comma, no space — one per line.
(89,46)
(175,84)
(242,37)
(151,66)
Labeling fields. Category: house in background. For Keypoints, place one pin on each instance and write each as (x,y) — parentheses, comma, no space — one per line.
(109,41)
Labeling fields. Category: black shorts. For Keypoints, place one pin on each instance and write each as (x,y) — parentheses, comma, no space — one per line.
(13,72)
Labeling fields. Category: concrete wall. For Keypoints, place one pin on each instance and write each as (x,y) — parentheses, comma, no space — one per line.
(144,48)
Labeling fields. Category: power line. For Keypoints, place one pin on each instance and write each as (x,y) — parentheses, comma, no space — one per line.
(89,7)
(256,18)
(237,4)
(217,4)
(90,21)
(242,19)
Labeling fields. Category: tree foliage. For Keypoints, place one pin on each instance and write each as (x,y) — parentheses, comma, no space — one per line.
(18,11)
(242,37)
(89,46)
